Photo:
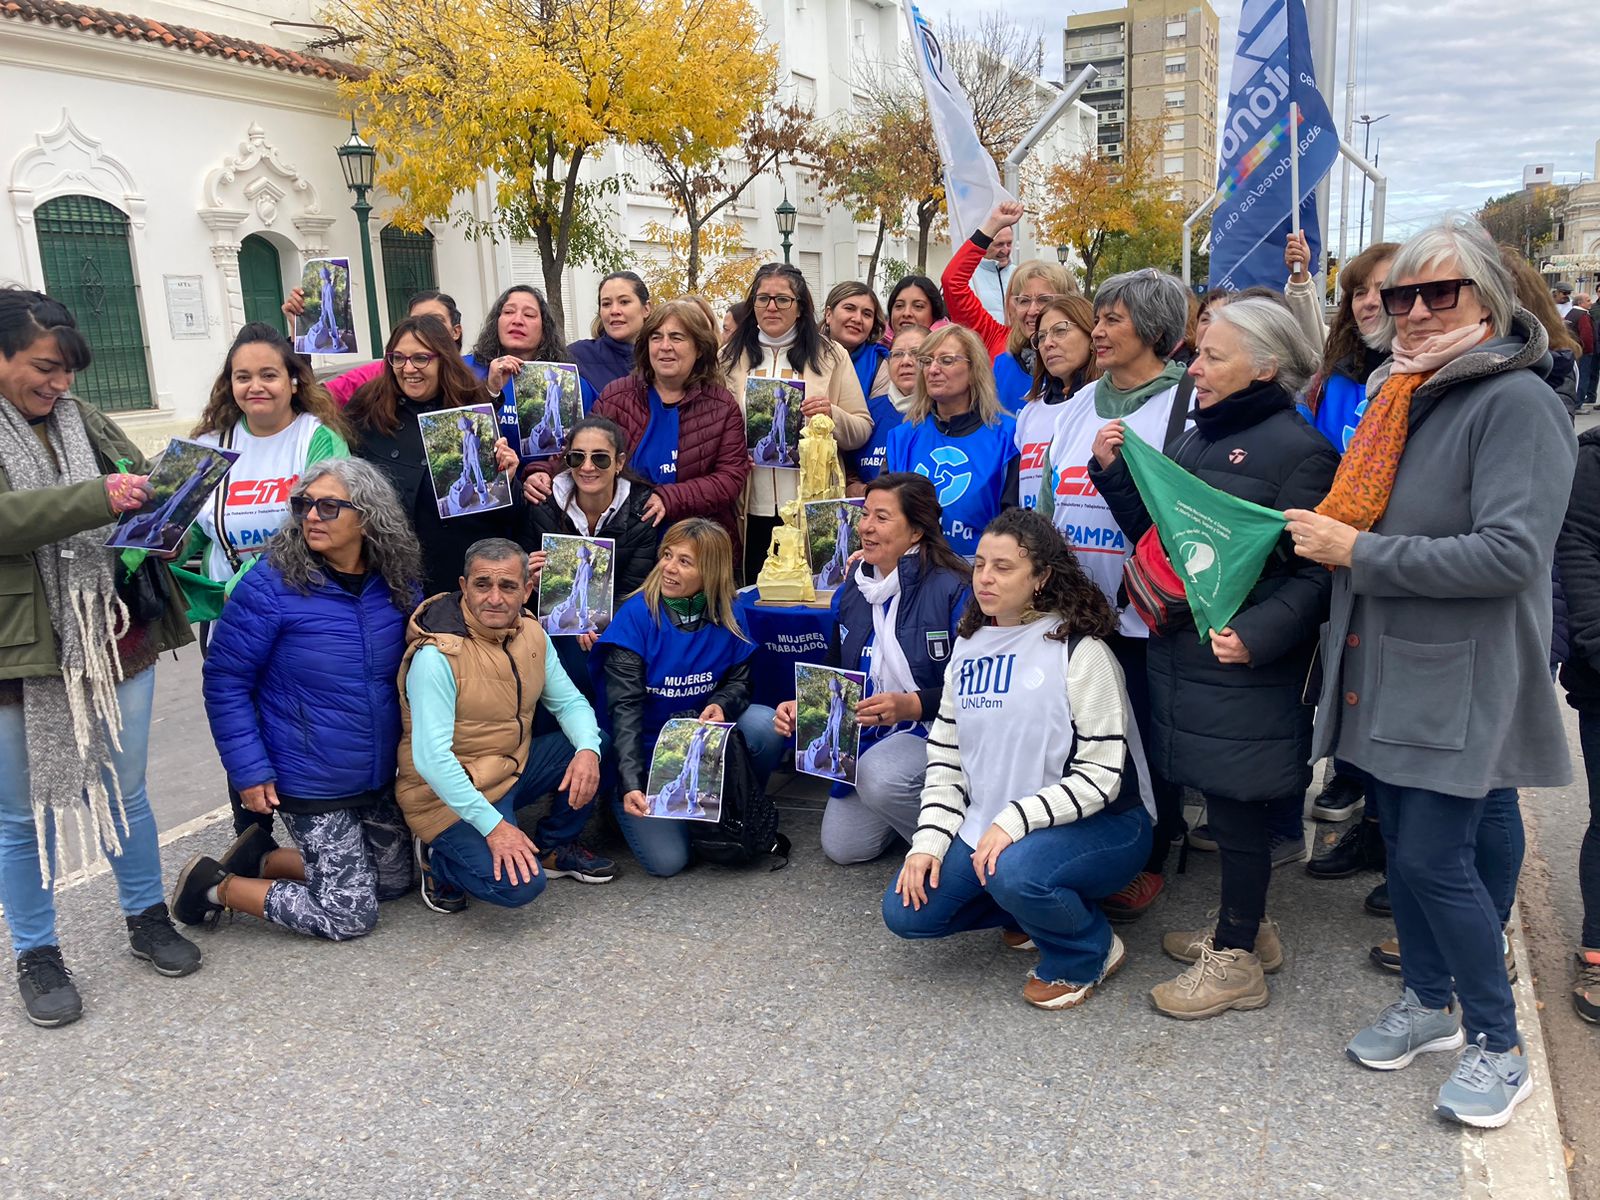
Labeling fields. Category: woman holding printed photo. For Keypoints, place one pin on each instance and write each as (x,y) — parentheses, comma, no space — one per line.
(1032,810)
(675,649)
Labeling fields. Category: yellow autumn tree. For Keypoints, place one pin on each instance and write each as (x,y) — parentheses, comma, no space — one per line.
(713,263)
(532,90)
(1098,204)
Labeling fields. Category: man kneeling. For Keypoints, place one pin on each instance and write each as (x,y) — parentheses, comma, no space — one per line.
(475,668)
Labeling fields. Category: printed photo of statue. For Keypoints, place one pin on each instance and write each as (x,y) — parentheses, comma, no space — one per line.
(549,402)
(832,536)
(826,737)
(772,419)
(326,326)
(577,585)
(183,480)
(685,782)
(460,450)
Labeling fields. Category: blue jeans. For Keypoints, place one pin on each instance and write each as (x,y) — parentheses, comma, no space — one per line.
(460,856)
(1046,884)
(1589,852)
(29,903)
(1444,914)
(661,844)
(1502,842)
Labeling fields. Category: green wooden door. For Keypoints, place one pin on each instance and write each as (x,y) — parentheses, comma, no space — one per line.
(83,245)
(407,268)
(261,281)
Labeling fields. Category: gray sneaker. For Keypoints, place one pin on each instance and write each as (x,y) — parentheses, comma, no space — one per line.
(1486,1086)
(1404,1030)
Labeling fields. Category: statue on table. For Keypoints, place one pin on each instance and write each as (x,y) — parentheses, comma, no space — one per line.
(821,475)
(786,575)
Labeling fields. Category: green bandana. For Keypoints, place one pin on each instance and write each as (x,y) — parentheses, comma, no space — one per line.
(686,606)
(1110,402)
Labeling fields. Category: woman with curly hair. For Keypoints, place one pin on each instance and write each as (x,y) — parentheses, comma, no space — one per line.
(300,692)
(1032,808)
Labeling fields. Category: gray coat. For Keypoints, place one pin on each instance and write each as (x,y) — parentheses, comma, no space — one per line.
(1435,658)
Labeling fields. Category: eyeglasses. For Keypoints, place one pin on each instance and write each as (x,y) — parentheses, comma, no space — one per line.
(1026,302)
(899,354)
(327,508)
(944,360)
(1059,330)
(781,303)
(1438,295)
(419,361)
(600,458)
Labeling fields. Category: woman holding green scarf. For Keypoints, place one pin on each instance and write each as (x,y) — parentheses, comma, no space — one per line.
(77,668)
(1139,320)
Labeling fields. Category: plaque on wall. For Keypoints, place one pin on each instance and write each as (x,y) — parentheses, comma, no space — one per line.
(186,306)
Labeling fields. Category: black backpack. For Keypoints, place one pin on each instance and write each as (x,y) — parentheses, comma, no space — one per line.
(747,831)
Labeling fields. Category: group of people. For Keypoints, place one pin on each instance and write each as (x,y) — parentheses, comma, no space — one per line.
(384,702)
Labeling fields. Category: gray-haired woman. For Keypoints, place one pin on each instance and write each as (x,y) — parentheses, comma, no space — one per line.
(1226,714)
(300,692)
(1139,322)
(1441,526)
(77,669)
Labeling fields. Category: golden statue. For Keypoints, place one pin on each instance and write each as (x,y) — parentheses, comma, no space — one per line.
(786,575)
(821,475)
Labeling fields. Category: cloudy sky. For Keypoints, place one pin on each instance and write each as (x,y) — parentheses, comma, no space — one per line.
(1475,89)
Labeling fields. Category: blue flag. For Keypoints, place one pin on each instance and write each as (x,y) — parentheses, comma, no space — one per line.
(1271,68)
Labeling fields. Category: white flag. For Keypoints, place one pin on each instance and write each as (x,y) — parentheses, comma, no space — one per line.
(971,182)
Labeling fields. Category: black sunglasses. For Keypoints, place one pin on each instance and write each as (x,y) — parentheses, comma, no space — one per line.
(328,509)
(600,458)
(1438,295)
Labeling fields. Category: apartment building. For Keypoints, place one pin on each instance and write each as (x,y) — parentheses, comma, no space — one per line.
(1158,65)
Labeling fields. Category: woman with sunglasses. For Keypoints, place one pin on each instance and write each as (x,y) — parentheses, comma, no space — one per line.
(852,316)
(1033,285)
(426,375)
(684,435)
(1063,363)
(778,337)
(887,408)
(1440,529)
(958,436)
(301,697)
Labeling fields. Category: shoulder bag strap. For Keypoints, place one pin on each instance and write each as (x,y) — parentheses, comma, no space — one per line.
(1180,412)
(219,507)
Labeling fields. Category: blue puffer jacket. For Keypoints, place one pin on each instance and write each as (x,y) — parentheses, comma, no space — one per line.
(300,689)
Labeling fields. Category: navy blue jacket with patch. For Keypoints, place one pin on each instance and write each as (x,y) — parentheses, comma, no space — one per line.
(930,607)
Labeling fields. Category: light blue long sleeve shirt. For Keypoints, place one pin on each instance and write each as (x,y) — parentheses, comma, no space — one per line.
(431,692)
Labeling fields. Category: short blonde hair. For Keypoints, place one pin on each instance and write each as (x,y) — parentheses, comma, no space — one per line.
(713,555)
(1061,284)
(985,399)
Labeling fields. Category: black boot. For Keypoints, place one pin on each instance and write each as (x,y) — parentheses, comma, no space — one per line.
(189,903)
(1377,901)
(153,937)
(245,855)
(47,989)
(1360,849)
(1340,800)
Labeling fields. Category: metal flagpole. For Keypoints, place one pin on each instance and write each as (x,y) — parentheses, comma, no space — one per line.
(1294,171)
(1351,47)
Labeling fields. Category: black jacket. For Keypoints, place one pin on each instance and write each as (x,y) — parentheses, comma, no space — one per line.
(1242,732)
(636,539)
(444,542)
(1578,562)
(625,687)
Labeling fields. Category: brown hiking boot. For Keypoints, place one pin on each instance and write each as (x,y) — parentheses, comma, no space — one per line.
(1218,981)
(1184,946)
(1387,955)
(1015,939)
(1059,994)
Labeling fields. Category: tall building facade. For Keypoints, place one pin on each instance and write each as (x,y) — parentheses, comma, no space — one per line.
(1158,69)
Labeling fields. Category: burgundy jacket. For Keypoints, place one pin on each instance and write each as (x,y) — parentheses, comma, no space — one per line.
(713,460)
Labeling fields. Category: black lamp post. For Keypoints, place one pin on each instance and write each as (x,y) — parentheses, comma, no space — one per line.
(1062,254)
(786,214)
(359,162)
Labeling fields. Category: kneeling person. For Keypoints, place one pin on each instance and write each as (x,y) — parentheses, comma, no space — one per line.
(476,665)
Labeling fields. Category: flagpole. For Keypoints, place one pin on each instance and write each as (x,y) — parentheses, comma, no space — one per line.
(1294,171)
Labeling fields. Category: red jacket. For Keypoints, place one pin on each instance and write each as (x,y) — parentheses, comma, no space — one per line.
(963,303)
(713,460)
(1582,328)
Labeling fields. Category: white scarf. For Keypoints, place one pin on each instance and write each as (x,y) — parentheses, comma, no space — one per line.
(900,400)
(890,670)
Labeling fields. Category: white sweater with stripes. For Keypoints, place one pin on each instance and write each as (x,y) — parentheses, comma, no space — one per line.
(1092,776)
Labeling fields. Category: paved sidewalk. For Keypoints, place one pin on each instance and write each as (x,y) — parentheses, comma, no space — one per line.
(721,1034)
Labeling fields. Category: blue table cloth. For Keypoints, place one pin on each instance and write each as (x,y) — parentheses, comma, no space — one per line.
(784,634)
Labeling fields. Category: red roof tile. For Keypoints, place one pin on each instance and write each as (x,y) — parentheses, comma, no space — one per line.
(196,41)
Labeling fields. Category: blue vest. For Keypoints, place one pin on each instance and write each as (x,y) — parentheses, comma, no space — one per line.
(681,670)
(1344,401)
(867,358)
(868,461)
(1011,382)
(969,473)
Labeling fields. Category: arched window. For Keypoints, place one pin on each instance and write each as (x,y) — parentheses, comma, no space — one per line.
(83,245)
(407,267)
(261,282)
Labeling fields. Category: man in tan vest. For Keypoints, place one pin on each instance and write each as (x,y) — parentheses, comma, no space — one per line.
(476,668)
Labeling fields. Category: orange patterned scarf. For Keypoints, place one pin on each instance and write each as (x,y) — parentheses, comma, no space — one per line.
(1366,473)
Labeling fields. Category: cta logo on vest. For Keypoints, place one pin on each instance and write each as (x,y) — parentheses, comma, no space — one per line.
(981,681)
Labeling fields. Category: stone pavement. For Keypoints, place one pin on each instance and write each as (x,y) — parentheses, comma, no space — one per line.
(722,1034)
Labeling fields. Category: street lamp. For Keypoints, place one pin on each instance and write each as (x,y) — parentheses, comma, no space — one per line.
(359,162)
(1366,145)
(1062,254)
(786,214)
